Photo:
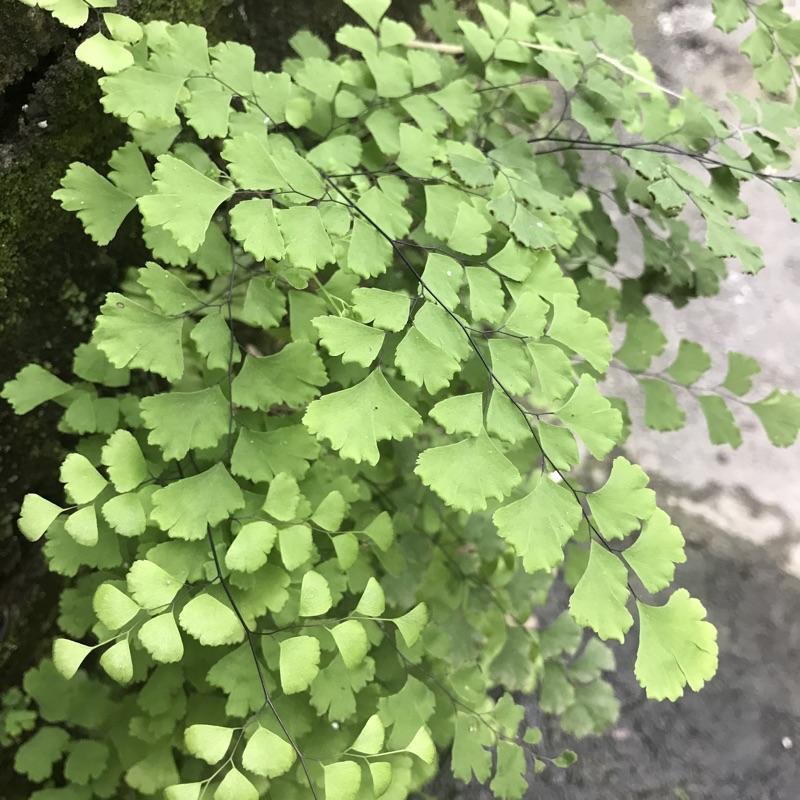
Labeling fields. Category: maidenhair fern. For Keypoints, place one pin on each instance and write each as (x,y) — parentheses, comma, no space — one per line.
(326,438)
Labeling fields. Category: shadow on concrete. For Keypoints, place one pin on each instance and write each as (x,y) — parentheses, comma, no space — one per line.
(738,739)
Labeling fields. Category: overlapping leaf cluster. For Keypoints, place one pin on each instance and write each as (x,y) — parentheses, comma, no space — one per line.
(327,434)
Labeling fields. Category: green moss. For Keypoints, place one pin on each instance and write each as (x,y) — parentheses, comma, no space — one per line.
(27,35)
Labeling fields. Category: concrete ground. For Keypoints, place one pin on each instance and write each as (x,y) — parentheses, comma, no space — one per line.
(739,739)
(748,491)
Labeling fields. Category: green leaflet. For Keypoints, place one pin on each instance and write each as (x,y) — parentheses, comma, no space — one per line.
(581,332)
(622,501)
(184,791)
(117,662)
(113,607)
(370,740)
(369,253)
(283,497)
(509,778)
(529,315)
(417,151)
(355,342)
(387,310)
(167,291)
(32,386)
(99,204)
(643,341)
(467,473)
(81,525)
(268,754)
(210,621)
(260,455)
(188,506)
(299,663)
(330,512)
(442,279)
(391,74)
(137,90)
(183,421)
(86,760)
(125,461)
(656,551)
(295,543)
(442,203)
(411,624)
(82,482)
(101,53)
(162,639)
(209,742)
(486,297)
(460,413)
(342,780)
(677,647)
(36,516)
(125,513)
(690,364)
(511,365)
(151,586)
(469,231)
(739,377)
(552,372)
(233,64)
(249,550)
(470,756)
(722,427)
(292,376)
(208,109)
(336,154)
(373,601)
(254,224)
(352,642)
(539,525)
(560,446)
(212,337)
(36,757)
(132,336)
(356,419)
(590,416)
(424,362)
(369,10)
(68,656)
(315,595)
(661,409)
(183,202)
(779,413)
(308,245)
(600,598)
(250,162)
(234,786)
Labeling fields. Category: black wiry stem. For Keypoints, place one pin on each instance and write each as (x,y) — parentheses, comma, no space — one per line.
(397,248)
(249,635)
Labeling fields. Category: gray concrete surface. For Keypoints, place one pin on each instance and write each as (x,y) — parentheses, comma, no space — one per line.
(750,492)
(739,509)
(738,739)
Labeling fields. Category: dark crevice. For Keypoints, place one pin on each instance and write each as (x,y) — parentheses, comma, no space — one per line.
(15,97)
